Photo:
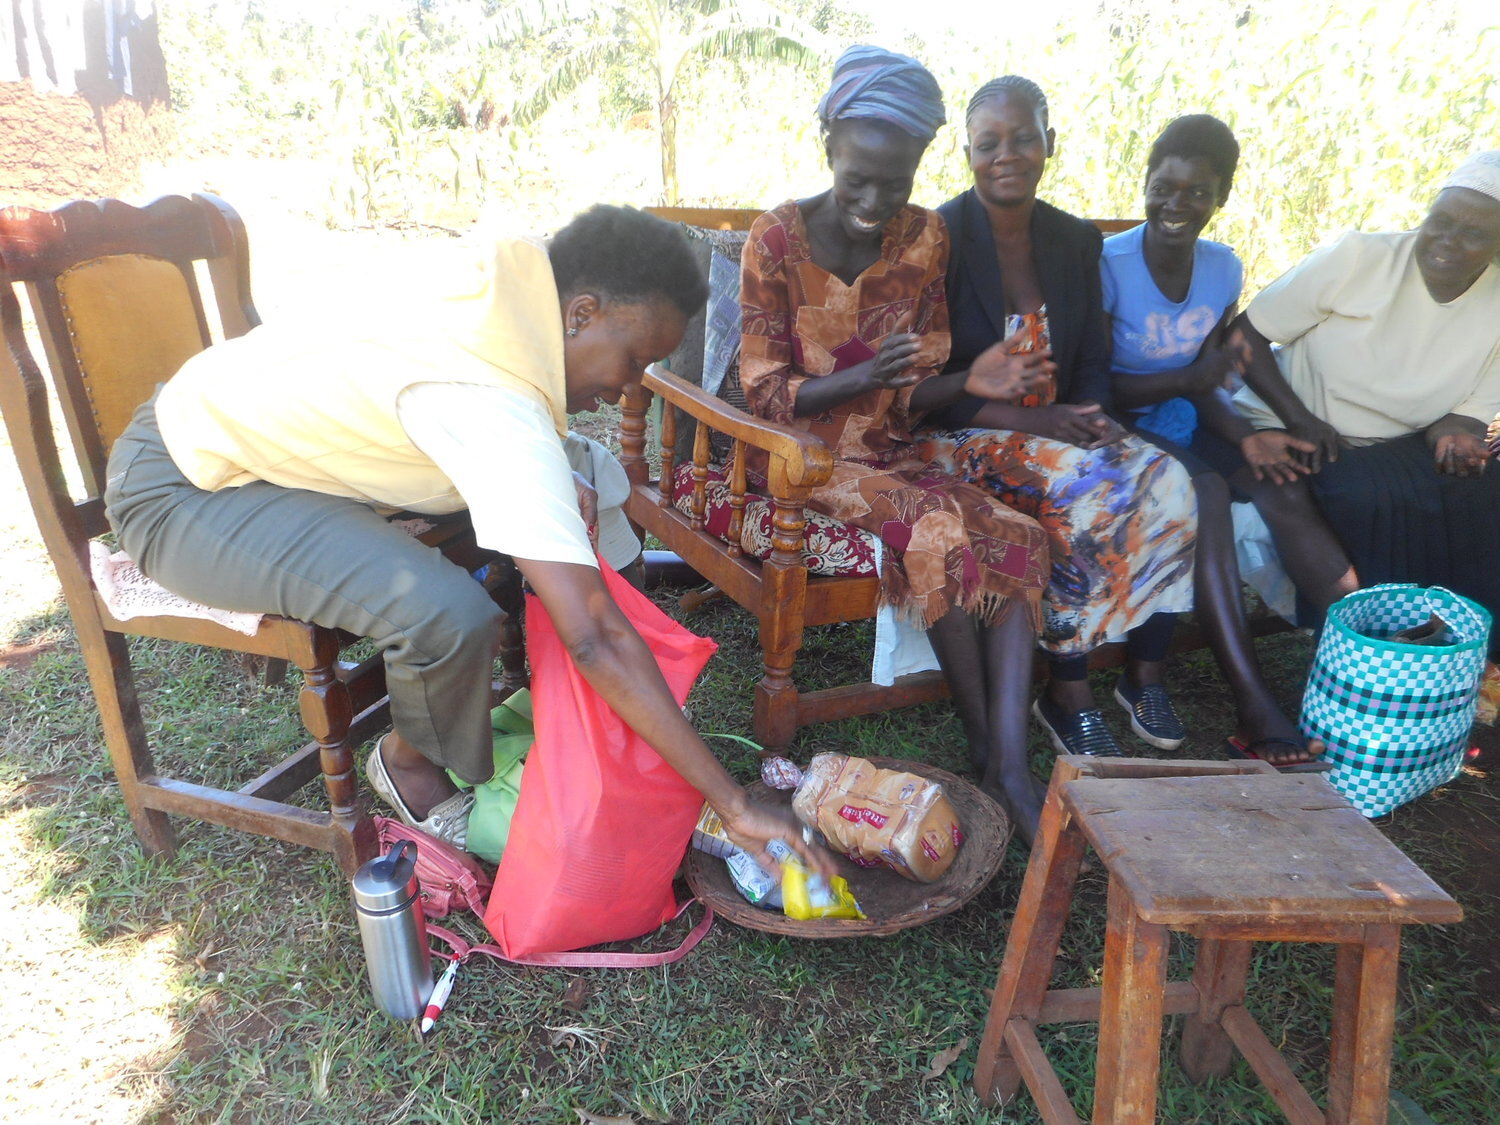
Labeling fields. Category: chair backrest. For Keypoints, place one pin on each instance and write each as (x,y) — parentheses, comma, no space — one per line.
(709,218)
(115,294)
(117,301)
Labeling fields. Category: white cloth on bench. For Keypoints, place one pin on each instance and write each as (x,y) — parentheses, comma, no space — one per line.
(900,647)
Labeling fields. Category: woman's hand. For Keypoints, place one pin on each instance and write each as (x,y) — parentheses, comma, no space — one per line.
(756,825)
(1460,454)
(1320,441)
(898,352)
(1083,424)
(588,507)
(1002,374)
(1277,456)
(1215,368)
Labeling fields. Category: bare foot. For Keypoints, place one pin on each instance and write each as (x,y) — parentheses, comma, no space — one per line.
(1021,801)
(1285,753)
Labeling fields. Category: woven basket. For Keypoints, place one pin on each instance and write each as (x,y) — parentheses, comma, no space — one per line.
(890,902)
(1396,717)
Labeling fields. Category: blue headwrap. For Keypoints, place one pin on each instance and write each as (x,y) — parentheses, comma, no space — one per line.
(875,83)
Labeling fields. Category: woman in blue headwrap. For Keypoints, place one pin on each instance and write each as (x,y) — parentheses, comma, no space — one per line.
(844,318)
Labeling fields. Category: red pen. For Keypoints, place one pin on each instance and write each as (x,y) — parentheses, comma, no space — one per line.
(439,996)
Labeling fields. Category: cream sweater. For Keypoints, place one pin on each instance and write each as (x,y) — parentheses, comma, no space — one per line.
(319,411)
(1367,349)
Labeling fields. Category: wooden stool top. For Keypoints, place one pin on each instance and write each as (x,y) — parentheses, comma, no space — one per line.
(1255,849)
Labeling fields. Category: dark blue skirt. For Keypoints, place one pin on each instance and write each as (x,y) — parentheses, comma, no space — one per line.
(1403,521)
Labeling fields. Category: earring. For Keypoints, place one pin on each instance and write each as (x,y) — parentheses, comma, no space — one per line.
(572,331)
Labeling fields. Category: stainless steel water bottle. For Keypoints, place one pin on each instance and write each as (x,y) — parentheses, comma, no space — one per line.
(394,931)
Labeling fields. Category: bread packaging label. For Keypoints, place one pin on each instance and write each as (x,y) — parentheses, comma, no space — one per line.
(879,817)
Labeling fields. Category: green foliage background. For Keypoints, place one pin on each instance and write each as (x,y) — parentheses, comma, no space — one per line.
(1349,114)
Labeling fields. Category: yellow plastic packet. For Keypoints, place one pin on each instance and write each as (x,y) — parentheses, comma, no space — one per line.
(805,895)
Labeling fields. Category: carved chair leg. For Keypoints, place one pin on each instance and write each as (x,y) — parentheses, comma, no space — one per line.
(776,696)
(784,590)
(505,588)
(327,713)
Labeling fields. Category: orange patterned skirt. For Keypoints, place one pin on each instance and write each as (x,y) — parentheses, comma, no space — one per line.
(947,543)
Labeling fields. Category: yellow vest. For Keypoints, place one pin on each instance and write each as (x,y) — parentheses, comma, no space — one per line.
(318,410)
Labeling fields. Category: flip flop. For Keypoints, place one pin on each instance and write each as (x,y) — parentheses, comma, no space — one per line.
(1247,752)
(448,820)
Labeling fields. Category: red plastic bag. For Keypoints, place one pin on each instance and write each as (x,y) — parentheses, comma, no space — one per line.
(603,821)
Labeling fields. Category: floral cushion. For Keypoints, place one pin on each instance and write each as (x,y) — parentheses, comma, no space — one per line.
(829,547)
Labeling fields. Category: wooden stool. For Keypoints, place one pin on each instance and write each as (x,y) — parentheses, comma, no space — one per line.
(1231,853)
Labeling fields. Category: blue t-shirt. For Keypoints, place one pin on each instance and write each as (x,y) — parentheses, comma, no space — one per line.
(1153,334)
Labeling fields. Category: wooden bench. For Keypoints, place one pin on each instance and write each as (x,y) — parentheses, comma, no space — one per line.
(779,591)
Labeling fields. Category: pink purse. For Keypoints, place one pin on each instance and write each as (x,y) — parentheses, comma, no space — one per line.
(449,879)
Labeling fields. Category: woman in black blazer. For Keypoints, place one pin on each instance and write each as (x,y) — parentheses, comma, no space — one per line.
(1120,513)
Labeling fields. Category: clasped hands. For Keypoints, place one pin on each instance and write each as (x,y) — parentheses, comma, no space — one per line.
(891,367)
(1003,373)
(1284,455)
(1460,453)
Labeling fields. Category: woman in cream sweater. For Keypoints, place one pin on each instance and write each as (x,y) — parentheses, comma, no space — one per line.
(260,477)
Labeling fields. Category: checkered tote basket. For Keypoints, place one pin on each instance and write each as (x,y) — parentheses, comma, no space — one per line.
(1395,716)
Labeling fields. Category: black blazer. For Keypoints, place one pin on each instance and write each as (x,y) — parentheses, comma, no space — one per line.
(1067,253)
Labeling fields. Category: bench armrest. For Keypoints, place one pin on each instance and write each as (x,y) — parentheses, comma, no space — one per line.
(797,461)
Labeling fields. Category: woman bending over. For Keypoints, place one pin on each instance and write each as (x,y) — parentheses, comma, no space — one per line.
(259,479)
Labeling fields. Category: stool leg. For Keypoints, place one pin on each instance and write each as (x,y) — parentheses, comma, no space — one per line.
(1135,978)
(1364,1018)
(1031,948)
(1219,976)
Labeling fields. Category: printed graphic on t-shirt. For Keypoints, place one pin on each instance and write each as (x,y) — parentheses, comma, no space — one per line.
(1172,335)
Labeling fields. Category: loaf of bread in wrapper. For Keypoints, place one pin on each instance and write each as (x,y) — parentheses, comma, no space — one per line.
(879,818)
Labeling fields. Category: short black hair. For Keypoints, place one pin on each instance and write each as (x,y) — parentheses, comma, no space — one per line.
(624,255)
(1009,84)
(1199,135)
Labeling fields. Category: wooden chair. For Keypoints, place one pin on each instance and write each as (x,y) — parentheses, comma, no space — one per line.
(779,590)
(117,302)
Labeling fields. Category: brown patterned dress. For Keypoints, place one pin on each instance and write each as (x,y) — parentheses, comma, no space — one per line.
(947,542)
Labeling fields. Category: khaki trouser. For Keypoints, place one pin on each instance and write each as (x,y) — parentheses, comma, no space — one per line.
(261,548)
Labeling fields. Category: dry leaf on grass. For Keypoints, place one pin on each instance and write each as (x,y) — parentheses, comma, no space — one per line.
(944,1059)
(587,1118)
(576,997)
(573,1036)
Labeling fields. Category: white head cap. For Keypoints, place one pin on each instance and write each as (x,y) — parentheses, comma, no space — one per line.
(1481,173)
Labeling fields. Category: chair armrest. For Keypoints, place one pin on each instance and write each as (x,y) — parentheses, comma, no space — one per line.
(798,460)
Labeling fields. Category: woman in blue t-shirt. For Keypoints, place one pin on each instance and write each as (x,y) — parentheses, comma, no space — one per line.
(1170,296)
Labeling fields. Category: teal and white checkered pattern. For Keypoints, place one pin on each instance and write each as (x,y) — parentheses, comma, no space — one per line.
(1396,717)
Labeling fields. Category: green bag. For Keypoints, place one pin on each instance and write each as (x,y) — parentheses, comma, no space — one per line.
(495,800)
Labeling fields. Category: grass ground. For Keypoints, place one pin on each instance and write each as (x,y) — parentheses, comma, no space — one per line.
(226,985)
